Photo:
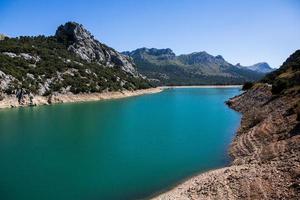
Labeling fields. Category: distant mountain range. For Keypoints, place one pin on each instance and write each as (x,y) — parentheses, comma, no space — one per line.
(262,67)
(163,67)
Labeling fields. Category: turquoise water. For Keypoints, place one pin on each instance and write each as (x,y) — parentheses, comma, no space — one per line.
(120,149)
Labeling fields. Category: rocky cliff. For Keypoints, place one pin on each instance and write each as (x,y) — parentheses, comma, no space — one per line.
(82,43)
(266,149)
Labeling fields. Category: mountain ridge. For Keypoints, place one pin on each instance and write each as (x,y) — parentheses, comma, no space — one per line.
(262,67)
(164,67)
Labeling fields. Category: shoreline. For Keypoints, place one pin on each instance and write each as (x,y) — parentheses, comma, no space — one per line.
(176,192)
(10,101)
(263,165)
(201,86)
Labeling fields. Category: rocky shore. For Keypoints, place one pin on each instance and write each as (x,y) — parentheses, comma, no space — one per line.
(10,101)
(265,153)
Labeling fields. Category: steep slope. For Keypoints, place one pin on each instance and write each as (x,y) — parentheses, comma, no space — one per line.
(266,148)
(72,61)
(165,68)
(262,67)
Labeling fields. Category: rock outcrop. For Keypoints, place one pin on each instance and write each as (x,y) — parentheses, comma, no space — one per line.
(82,42)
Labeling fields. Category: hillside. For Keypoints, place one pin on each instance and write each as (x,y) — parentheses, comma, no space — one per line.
(163,67)
(71,61)
(287,78)
(266,148)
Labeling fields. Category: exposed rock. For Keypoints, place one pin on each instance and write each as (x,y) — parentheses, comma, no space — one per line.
(82,42)
(71,71)
(31,76)
(6,81)
(25,56)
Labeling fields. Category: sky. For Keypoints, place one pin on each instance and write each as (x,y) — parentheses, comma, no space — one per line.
(243,32)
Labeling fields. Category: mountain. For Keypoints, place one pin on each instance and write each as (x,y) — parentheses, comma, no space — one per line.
(71,61)
(262,67)
(163,67)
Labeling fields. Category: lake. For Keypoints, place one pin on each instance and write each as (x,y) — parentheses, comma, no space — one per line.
(116,149)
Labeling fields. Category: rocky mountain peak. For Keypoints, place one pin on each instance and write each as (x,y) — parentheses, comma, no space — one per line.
(82,43)
(202,57)
(73,32)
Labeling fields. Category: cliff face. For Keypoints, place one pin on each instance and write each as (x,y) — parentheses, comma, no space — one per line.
(82,43)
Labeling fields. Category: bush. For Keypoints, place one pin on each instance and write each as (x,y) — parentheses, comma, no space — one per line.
(278,86)
(247,85)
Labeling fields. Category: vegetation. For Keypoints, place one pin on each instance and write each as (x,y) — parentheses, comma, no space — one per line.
(287,77)
(247,85)
(52,63)
(165,68)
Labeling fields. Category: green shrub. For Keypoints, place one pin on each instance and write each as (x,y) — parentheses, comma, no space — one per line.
(247,85)
(278,86)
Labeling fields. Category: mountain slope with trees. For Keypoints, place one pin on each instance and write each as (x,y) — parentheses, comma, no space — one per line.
(163,67)
(71,61)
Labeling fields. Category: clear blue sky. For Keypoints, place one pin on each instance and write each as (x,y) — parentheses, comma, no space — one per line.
(241,31)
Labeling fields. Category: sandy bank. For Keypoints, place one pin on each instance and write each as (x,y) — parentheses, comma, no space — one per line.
(10,101)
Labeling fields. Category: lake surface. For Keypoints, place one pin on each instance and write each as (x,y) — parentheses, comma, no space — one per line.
(114,150)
